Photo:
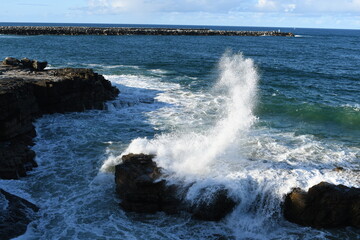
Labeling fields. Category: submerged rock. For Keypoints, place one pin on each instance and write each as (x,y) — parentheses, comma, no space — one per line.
(15,214)
(141,189)
(325,205)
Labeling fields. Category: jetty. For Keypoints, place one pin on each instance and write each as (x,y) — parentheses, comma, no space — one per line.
(47,30)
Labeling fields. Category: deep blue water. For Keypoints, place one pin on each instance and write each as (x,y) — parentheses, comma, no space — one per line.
(288,108)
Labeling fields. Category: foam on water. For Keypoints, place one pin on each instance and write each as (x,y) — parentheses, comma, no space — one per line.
(192,152)
(203,138)
(256,164)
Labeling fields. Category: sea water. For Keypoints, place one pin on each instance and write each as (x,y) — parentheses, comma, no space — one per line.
(258,115)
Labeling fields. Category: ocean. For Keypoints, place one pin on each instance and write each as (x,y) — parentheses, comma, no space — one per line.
(259,115)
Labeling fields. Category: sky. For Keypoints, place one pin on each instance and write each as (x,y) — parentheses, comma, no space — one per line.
(343,14)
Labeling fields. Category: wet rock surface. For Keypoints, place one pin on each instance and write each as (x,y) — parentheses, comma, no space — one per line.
(15,214)
(325,205)
(141,188)
(27,92)
(47,30)
(214,207)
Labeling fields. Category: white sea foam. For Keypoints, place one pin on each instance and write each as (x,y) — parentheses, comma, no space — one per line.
(355,106)
(208,139)
(219,145)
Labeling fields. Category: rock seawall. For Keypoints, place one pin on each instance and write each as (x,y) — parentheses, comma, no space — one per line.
(46,30)
(27,93)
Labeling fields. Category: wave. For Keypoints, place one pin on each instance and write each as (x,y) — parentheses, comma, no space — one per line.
(345,116)
(238,82)
(211,139)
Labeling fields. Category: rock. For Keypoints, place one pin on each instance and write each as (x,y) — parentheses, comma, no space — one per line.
(339,169)
(24,96)
(38,66)
(26,63)
(11,61)
(48,30)
(325,205)
(15,214)
(141,189)
(215,207)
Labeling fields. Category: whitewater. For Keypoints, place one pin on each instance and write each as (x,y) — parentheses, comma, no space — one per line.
(250,120)
(258,165)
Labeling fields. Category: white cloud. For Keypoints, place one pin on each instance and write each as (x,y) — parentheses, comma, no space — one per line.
(309,13)
(289,7)
(267,5)
(167,5)
(300,6)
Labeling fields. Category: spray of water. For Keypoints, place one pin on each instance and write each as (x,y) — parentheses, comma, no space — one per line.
(257,166)
(194,153)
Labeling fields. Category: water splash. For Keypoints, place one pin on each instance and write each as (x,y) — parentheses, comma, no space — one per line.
(194,153)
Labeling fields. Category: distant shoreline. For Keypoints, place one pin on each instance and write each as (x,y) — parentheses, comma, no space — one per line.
(50,30)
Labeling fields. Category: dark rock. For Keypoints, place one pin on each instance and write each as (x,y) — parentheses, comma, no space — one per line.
(24,96)
(325,205)
(214,207)
(141,189)
(339,169)
(38,66)
(26,63)
(47,30)
(15,214)
(11,61)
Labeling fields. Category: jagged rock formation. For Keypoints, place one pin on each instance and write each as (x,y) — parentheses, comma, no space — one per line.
(15,214)
(42,30)
(325,205)
(27,92)
(141,189)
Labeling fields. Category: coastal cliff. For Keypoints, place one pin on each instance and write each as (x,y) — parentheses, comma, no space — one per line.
(47,30)
(27,92)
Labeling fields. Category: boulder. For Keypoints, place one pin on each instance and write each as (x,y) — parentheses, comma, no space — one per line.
(15,214)
(26,63)
(11,61)
(214,207)
(38,66)
(141,189)
(325,205)
(139,186)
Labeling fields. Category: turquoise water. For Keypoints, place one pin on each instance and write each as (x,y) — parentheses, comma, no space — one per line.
(260,115)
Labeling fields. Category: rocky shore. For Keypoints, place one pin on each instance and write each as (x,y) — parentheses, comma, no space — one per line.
(15,214)
(325,205)
(27,92)
(142,188)
(42,30)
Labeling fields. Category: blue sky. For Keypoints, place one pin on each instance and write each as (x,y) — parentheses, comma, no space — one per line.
(272,13)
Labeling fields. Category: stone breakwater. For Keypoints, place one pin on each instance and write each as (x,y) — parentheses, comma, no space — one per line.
(27,92)
(42,30)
